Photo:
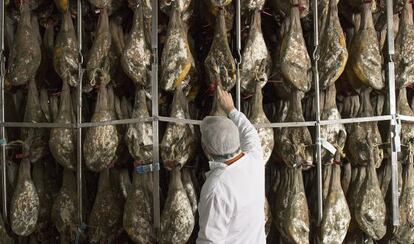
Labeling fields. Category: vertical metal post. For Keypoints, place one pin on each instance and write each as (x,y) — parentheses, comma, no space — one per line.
(79,115)
(155,123)
(318,109)
(395,137)
(2,129)
(239,58)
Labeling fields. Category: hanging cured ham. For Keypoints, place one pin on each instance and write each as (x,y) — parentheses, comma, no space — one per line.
(139,136)
(293,143)
(256,62)
(197,48)
(176,59)
(179,142)
(257,116)
(97,66)
(364,194)
(404,233)
(24,207)
(136,56)
(356,146)
(404,48)
(101,142)
(26,54)
(62,140)
(65,55)
(370,207)
(106,213)
(291,213)
(334,134)
(189,189)
(137,219)
(364,54)
(65,207)
(336,214)
(35,138)
(220,58)
(147,10)
(333,53)
(407,129)
(295,60)
(177,219)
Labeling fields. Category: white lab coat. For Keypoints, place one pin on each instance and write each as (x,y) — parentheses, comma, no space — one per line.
(232,199)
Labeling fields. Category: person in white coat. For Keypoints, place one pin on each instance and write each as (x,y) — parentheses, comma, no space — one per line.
(232,199)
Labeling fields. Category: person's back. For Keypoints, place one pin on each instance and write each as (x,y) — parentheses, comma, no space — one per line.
(232,198)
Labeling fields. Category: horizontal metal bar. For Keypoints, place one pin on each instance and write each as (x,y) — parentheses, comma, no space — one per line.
(286,124)
(356,120)
(37,125)
(271,125)
(74,125)
(198,122)
(179,121)
(406,118)
(116,122)
(290,124)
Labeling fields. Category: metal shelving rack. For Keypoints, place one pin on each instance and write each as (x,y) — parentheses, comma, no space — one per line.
(315,76)
(79,119)
(394,118)
(2,128)
(155,125)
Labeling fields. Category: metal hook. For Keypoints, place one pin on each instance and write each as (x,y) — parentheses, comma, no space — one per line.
(239,57)
(315,53)
(80,58)
(2,64)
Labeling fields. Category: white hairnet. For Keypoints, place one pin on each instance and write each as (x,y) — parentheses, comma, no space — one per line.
(220,137)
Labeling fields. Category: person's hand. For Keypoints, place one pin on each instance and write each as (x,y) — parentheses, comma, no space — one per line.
(225,100)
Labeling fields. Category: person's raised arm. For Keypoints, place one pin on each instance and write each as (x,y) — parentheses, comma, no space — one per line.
(249,139)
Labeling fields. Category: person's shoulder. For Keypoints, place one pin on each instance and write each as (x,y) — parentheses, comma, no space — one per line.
(255,155)
(213,185)
(214,179)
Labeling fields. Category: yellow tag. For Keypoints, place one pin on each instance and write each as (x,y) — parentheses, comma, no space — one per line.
(183,74)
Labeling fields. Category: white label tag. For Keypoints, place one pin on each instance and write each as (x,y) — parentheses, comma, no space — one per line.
(328,146)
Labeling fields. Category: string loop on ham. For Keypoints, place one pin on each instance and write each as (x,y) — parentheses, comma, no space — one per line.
(102,74)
